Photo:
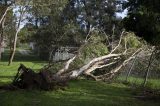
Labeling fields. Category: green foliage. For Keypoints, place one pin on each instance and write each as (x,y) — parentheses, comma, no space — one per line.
(95,13)
(132,41)
(79,62)
(56,66)
(143,19)
(94,48)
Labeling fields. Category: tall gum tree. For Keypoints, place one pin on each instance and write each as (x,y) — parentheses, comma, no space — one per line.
(144,19)
(21,7)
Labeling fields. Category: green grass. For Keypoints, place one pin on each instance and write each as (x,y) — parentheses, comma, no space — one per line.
(32,61)
(151,83)
(78,93)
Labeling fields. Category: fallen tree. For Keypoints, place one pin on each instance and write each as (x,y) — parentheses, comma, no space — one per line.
(116,58)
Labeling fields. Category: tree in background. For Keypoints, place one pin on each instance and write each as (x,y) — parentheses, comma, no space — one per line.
(144,19)
(5,18)
(21,12)
(52,31)
(56,27)
(73,23)
(91,14)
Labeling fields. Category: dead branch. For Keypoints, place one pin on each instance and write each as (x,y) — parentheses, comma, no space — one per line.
(76,73)
(118,43)
(66,66)
(116,70)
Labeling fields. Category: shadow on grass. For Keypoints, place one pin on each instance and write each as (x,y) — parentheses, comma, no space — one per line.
(79,93)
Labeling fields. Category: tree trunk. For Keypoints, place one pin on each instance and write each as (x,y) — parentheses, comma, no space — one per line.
(148,69)
(22,11)
(2,36)
(14,49)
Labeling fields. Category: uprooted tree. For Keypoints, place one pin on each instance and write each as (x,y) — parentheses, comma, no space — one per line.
(93,59)
(101,54)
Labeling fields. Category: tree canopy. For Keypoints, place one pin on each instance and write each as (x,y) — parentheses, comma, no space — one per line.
(144,19)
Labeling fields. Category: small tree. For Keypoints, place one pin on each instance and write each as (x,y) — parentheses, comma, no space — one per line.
(22,9)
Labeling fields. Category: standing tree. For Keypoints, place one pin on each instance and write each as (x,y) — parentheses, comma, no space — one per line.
(144,19)
(91,14)
(20,16)
(4,9)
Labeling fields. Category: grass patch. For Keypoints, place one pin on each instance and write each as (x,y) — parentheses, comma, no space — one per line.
(151,83)
(79,93)
(8,72)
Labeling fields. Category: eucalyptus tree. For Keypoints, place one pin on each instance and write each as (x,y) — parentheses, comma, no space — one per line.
(5,9)
(21,7)
(92,14)
(71,22)
(53,31)
(144,19)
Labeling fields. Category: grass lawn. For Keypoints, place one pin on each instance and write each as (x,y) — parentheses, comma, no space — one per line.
(151,83)
(78,93)
(8,72)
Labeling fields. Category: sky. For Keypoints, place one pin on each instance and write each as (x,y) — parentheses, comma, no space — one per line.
(122,14)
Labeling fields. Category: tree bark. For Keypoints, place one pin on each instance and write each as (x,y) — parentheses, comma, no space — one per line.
(66,66)
(78,72)
(14,49)
(2,37)
(22,11)
(148,69)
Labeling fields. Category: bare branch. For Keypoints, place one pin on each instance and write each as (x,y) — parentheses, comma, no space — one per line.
(66,66)
(88,35)
(118,43)
(99,67)
(112,72)
(109,43)
(76,73)
(125,43)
